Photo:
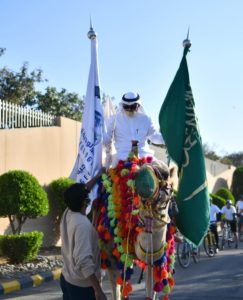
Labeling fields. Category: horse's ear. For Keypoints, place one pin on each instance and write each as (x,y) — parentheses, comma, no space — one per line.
(172,172)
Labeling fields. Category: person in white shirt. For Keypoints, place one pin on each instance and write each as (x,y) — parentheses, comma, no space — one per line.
(239,210)
(229,212)
(214,210)
(129,124)
(80,278)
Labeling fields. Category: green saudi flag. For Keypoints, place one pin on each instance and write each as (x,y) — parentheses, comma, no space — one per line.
(178,125)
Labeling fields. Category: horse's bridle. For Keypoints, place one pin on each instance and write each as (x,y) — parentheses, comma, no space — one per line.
(152,207)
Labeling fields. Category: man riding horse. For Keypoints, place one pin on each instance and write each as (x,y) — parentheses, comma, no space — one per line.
(134,225)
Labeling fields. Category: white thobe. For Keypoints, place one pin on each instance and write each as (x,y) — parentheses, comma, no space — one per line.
(123,129)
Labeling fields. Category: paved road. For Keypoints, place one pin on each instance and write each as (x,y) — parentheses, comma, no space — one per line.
(217,278)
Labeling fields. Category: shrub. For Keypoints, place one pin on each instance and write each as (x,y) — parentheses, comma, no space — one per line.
(237,182)
(58,188)
(1,238)
(23,247)
(21,197)
(217,200)
(226,194)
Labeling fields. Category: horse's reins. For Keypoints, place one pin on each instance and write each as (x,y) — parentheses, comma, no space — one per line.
(149,227)
(149,230)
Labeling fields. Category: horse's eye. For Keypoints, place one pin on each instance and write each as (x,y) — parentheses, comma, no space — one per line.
(163,204)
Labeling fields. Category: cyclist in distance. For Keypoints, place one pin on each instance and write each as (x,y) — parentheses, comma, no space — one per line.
(239,209)
(229,212)
(214,210)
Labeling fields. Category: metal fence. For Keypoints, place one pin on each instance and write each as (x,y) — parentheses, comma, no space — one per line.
(16,116)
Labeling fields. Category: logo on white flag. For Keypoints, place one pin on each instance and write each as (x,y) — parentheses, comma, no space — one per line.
(98,127)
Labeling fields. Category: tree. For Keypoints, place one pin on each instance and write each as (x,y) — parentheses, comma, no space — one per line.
(2,50)
(235,158)
(209,153)
(21,197)
(61,103)
(225,160)
(19,87)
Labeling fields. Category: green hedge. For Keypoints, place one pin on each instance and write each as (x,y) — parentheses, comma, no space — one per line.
(21,193)
(237,183)
(57,188)
(18,248)
(217,200)
(21,197)
(226,194)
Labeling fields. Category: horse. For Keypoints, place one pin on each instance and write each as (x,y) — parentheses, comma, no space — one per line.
(135,226)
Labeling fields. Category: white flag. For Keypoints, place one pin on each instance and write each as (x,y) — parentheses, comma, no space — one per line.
(89,159)
(109,150)
(109,109)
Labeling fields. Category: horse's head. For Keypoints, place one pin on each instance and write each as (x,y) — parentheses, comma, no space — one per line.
(155,189)
(153,185)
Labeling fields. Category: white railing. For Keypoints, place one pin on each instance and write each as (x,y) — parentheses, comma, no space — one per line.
(16,116)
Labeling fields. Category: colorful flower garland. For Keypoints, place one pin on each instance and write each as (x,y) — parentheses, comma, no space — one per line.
(118,222)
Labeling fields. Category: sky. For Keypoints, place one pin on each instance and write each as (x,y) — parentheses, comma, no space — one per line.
(139,49)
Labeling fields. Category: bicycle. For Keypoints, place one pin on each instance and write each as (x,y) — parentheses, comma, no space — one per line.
(227,236)
(240,226)
(185,251)
(209,243)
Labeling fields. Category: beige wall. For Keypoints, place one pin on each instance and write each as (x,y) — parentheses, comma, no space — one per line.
(223,179)
(50,152)
(47,153)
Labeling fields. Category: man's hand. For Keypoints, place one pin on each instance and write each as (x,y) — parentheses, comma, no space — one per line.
(91,183)
(101,171)
(99,295)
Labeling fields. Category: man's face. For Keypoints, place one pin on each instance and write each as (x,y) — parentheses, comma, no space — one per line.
(86,202)
(86,199)
(130,110)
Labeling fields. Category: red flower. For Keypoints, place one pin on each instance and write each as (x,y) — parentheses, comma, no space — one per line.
(149,159)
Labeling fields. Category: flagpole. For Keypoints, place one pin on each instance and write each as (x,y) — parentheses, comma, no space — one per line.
(179,127)
(91,34)
(187,43)
(89,159)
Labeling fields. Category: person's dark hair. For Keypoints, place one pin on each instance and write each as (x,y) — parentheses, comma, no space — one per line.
(76,196)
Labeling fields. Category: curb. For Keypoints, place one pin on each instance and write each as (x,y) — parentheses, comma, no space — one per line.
(29,281)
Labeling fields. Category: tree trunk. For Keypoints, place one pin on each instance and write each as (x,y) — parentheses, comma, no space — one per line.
(11,221)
